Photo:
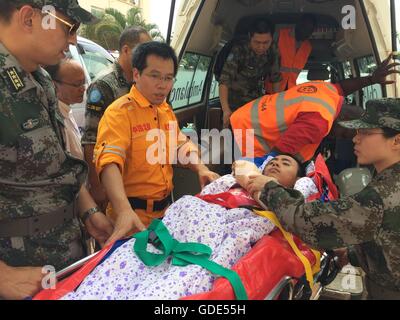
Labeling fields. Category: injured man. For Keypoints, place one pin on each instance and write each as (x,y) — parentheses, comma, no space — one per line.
(230,233)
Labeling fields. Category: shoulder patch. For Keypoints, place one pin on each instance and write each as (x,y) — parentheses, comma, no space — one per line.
(15,79)
(307,89)
(95,96)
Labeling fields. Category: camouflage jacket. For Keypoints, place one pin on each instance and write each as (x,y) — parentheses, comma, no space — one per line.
(103,91)
(244,73)
(368,222)
(36,175)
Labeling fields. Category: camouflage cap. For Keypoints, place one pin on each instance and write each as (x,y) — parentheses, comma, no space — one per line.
(380,113)
(70,8)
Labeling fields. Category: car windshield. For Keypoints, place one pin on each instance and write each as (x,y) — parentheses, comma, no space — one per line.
(95,58)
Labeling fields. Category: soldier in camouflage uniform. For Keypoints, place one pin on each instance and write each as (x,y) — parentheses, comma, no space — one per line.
(108,86)
(244,72)
(39,181)
(368,223)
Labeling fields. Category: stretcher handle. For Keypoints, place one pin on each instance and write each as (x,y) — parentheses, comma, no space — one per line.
(329,269)
(73,267)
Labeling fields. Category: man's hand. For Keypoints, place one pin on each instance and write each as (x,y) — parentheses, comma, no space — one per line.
(385,69)
(256,183)
(99,227)
(242,169)
(20,283)
(206,177)
(127,223)
(342,257)
(226,118)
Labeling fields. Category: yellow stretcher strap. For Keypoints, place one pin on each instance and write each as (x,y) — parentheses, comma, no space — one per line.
(310,271)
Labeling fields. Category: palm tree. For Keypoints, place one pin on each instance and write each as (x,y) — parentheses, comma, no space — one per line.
(134,17)
(154,32)
(107,32)
(113,22)
(119,17)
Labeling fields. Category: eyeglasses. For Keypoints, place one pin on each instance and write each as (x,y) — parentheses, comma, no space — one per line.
(365,133)
(81,85)
(73,28)
(159,78)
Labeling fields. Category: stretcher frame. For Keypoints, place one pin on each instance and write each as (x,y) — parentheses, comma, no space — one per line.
(324,277)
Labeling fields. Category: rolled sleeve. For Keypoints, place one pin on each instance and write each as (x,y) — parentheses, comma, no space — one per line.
(113,141)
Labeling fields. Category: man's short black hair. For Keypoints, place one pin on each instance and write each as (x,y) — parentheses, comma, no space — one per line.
(389,132)
(131,37)
(301,167)
(261,25)
(159,49)
(7,7)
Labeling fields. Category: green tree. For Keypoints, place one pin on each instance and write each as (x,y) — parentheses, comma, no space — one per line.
(119,17)
(113,22)
(154,32)
(107,32)
(134,17)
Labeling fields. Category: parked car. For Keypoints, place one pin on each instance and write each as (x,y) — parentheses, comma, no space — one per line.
(93,59)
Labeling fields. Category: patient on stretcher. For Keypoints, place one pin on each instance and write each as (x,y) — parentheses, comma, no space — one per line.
(230,233)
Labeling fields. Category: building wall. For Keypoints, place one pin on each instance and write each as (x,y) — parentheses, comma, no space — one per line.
(121,5)
(145,6)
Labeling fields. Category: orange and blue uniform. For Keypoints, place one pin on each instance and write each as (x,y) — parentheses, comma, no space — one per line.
(133,134)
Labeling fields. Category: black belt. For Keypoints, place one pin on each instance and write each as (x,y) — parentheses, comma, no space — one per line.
(160,205)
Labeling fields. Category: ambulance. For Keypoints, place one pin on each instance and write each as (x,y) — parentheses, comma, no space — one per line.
(351,38)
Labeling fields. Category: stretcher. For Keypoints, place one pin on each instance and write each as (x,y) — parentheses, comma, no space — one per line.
(270,269)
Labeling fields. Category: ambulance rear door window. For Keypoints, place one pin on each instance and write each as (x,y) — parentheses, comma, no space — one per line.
(348,74)
(190,81)
(366,66)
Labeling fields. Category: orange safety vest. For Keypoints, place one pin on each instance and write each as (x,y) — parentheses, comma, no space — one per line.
(292,61)
(271,115)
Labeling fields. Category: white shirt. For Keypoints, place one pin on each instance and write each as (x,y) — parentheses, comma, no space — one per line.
(71,133)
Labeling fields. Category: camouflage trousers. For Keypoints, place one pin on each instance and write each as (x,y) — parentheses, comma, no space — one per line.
(377,292)
(59,248)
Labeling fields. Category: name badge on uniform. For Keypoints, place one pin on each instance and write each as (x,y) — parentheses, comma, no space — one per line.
(15,79)
(30,124)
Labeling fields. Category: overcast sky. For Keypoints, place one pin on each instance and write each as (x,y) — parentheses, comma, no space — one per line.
(159,13)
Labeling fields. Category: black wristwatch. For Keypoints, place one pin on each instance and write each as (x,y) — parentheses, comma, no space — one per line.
(84,216)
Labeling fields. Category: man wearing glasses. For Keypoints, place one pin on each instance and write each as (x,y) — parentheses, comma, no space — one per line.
(137,178)
(111,84)
(39,181)
(70,82)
